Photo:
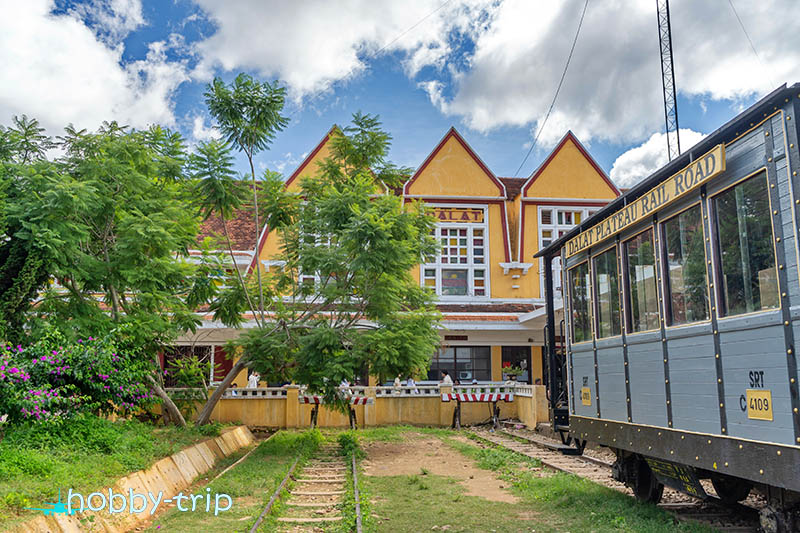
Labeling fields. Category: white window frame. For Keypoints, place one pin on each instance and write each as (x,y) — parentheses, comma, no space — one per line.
(470,266)
(555,227)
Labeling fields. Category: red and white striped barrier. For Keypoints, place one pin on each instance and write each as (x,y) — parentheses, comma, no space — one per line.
(354,400)
(490,397)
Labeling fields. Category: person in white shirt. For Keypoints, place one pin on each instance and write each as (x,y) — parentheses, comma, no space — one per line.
(252,381)
(446,379)
(411,384)
(397,385)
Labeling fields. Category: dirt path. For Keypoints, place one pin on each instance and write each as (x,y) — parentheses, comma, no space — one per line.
(418,453)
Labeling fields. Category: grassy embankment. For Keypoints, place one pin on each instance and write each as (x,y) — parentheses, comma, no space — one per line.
(85,454)
(250,484)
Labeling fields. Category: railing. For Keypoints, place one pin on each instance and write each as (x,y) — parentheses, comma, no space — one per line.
(524,390)
(266,393)
(498,387)
(406,391)
(424,391)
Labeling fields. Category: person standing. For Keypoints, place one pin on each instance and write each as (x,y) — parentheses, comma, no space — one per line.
(252,381)
(412,385)
(446,379)
(397,384)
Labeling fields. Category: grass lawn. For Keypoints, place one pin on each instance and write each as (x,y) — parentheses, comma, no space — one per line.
(250,484)
(430,500)
(87,454)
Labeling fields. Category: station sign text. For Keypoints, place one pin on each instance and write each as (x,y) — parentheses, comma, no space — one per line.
(697,173)
(457,214)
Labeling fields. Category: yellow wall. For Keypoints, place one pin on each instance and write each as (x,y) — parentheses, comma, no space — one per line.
(288,412)
(568,174)
(453,172)
(497,363)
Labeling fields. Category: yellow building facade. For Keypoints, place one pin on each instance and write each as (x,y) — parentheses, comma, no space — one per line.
(487,283)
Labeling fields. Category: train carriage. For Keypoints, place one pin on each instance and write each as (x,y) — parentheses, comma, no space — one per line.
(680,317)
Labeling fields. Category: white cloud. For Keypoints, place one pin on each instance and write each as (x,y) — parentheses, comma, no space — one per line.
(68,68)
(638,163)
(314,43)
(612,91)
(201,132)
(112,19)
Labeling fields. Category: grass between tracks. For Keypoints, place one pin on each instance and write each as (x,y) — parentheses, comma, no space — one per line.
(250,484)
(547,501)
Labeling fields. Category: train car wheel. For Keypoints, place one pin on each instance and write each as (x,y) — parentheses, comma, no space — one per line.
(646,486)
(730,489)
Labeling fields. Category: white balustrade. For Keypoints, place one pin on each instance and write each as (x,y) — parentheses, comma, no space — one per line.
(265,393)
(524,390)
(405,391)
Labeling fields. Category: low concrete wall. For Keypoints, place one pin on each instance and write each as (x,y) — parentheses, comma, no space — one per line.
(170,475)
(529,405)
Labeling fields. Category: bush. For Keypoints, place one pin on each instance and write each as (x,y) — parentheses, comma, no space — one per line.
(52,379)
(348,444)
(212,429)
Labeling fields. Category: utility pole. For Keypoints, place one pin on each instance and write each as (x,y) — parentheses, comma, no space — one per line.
(668,80)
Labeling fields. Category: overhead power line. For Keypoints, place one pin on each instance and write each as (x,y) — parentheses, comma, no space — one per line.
(420,21)
(558,89)
(752,47)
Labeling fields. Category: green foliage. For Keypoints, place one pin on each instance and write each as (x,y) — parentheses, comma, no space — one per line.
(217,191)
(212,429)
(248,112)
(87,453)
(189,374)
(349,445)
(16,502)
(54,379)
(362,308)
(108,217)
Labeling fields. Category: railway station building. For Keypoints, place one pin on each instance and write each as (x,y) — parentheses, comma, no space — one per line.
(488,285)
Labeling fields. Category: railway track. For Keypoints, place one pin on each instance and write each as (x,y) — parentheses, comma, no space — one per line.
(729,519)
(318,488)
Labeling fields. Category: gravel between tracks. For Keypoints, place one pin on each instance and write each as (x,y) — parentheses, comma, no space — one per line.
(595,465)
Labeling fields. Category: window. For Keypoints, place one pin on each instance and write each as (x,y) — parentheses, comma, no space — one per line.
(175,356)
(463,363)
(745,249)
(607,294)
(554,223)
(459,269)
(581,315)
(687,287)
(642,308)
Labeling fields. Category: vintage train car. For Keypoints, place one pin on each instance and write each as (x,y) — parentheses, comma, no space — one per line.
(682,315)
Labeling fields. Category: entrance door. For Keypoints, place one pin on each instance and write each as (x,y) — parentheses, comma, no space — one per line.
(518,356)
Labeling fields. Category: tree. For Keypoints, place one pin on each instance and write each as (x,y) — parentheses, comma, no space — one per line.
(111,221)
(248,113)
(358,243)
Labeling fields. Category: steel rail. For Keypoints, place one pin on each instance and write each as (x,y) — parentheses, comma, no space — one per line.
(356,496)
(275,496)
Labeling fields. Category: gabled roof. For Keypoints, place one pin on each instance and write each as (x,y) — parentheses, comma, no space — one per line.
(452,133)
(241,229)
(311,154)
(569,136)
(513,186)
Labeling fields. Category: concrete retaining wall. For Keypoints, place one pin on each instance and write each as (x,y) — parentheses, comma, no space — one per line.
(170,475)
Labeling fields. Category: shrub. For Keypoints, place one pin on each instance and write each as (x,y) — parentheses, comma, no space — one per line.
(52,379)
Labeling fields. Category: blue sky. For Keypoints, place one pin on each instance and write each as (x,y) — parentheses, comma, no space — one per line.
(487,67)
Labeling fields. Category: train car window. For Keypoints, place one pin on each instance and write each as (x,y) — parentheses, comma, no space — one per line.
(686,268)
(606,285)
(745,249)
(640,259)
(581,319)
